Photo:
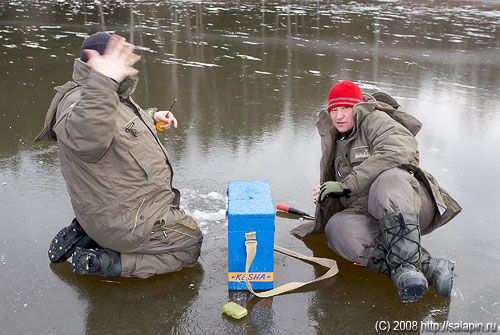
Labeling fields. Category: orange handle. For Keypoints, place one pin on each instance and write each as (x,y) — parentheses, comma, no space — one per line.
(282,207)
(291,210)
(160,123)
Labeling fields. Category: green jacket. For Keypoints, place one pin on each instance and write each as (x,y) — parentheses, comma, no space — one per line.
(382,138)
(117,172)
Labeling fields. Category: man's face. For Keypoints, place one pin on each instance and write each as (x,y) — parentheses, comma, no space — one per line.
(342,118)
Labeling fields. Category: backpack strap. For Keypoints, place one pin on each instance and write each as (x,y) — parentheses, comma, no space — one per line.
(251,247)
(47,134)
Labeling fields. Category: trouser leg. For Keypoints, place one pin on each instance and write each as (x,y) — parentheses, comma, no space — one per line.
(397,191)
(173,245)
(144,265)
(352,235)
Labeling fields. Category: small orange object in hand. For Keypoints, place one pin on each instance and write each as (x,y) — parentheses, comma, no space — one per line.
(160,123)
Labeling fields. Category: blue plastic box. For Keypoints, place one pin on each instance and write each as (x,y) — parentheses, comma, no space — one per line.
(250,209)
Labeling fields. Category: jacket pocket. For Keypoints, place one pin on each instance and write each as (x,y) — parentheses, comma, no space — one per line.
(357,155)
(179,222)
(140,167)
(137,219)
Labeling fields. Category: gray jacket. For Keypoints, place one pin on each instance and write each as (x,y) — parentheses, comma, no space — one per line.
(118,173)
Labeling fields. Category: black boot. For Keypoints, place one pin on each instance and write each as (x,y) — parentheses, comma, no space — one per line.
(98,262)
(439,274)
(377,261)
(437,271)
(400,235)
(67,239)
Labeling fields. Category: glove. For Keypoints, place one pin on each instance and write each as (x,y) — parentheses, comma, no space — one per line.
(332,189)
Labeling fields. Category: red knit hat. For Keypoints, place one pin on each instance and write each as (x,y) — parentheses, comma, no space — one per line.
(344,93)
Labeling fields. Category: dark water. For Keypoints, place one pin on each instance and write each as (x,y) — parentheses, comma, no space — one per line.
(250,77)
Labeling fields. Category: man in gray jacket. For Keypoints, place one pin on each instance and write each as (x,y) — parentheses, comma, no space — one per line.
(117,172)
(374,201)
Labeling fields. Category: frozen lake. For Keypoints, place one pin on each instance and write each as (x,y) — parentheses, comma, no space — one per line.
(250,78)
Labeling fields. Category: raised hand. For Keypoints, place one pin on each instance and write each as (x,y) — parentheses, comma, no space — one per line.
(117,60)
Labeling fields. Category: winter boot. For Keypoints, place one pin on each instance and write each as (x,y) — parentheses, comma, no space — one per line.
(98,262)
(67,239)
(377,261)
(439,274)
(400,235)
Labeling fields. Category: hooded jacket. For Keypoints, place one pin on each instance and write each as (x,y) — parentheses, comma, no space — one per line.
(117,172)
(382,138)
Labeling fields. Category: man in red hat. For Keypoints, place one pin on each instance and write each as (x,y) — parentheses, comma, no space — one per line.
(374,201)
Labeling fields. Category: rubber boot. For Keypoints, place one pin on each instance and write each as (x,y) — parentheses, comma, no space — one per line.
(400,235)
(66,240)
(439,274)
(98,262)
(377,261)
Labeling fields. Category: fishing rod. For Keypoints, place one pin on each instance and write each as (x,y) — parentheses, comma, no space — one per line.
(161,123)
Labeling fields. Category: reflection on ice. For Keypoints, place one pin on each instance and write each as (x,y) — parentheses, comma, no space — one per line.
(207,209)
(262,72)
(248,57)
(203,217)
(187,63)
(34,45)
(141,48)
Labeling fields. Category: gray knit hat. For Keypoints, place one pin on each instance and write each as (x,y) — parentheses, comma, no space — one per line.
(97,42)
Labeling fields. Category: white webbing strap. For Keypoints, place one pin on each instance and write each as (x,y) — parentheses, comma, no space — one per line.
(251,247)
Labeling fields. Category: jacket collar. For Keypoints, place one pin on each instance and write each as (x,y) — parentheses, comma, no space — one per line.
(81,71)
(324,123)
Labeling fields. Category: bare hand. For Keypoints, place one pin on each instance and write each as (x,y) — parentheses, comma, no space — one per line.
(316,190)
(117,60)
(164,120)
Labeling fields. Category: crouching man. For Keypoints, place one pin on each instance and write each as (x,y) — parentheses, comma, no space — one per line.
(374,202)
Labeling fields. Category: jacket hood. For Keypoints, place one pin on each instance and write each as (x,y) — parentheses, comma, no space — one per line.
(408,121)
(324,123)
